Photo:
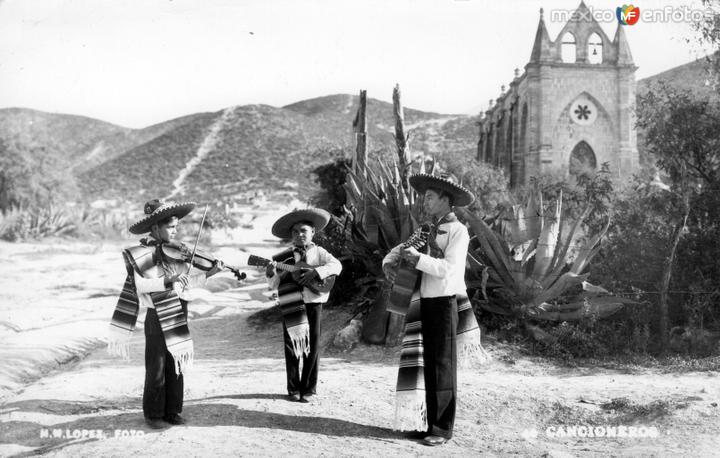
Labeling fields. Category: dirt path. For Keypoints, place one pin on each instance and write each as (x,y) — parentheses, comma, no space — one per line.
(235,405)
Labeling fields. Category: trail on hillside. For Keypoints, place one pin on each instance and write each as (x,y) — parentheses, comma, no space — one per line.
(207,146)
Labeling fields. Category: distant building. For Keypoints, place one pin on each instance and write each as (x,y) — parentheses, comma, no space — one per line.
(572,108)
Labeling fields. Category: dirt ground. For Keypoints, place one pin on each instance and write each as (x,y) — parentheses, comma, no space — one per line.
(57,380)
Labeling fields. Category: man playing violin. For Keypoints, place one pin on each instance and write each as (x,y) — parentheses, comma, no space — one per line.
(301,303)
(158,283)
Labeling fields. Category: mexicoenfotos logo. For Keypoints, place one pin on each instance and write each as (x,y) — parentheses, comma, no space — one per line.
(627,15)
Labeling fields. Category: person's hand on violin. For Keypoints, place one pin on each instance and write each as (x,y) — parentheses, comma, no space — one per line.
(218,266)
(270,269)
(308,276)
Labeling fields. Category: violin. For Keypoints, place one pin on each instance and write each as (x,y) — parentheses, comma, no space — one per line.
(202,261)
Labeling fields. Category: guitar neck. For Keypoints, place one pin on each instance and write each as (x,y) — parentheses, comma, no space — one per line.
(286,267)
(258,261)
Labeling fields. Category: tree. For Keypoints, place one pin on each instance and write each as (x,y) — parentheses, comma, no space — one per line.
(681,133)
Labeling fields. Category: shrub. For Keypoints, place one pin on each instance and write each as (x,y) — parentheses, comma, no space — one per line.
(331,177)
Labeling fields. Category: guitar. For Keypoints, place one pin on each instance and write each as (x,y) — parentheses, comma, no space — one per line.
(317,286)
(406,281)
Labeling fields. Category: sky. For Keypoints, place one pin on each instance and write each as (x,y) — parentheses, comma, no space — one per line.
(139,62)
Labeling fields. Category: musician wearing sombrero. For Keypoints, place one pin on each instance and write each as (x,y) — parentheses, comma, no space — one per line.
(442,282)
(159,284)
(300,297)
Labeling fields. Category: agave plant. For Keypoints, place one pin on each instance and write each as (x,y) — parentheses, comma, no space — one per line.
(532,265)
(380,214)
(23,223)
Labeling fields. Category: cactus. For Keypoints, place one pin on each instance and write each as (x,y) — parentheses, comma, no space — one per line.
(532,266)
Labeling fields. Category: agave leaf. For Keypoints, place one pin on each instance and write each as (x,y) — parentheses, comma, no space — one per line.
(533,213)
(474,262)
(517,271)
(529,252)
(592,290)
(560,262)
(386,225)
(513,225)
(373,182)
(546,245)
(494,278)
(600,307)
(391,176)
(491,248)
(590,255)
(406,224)
(352,187)
(564,283)
(520,250)
(588,251)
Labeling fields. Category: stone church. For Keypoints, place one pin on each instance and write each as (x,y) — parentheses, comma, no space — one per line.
(570,111)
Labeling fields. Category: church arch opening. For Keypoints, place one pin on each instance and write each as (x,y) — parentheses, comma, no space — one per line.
(582,160)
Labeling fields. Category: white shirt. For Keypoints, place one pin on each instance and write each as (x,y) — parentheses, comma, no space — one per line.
(324,263)
(441,276)
(152,283)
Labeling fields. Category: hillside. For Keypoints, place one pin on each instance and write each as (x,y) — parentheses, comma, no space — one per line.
(241,149)
(66,137)
(253,147)
(694,76)
(77,143)
(430,133)
(120,143)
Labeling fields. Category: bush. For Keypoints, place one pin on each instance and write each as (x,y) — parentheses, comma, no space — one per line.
(358,275)
(34,223)
(594,192)
(574,340)
(489,184)
(32,177)
(331,177)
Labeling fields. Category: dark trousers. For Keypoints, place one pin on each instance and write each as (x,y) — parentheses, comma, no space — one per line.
(163,393)
(439,317)
(305,383)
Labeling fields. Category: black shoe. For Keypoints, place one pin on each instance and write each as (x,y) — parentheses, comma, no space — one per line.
(434,440)
(174,419)
(154,423)
(418,435)
(294,397)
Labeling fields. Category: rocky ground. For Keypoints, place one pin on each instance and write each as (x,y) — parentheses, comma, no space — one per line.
(61,395)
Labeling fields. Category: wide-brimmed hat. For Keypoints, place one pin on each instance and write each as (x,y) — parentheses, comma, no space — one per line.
(447,183)
(317,217)
(157,210)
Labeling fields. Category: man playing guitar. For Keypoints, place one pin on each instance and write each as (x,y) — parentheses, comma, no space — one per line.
(300,299)
(442,269)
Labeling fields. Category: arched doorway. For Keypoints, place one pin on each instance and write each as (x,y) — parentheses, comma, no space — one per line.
(582,160)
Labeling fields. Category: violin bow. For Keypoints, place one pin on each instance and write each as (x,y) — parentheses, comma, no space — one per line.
(197,239)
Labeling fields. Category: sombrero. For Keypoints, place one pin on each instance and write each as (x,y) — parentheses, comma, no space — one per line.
(461,196)
(157,210)
(317,217)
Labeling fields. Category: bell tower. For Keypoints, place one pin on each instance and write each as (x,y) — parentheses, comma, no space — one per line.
(572,108)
